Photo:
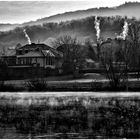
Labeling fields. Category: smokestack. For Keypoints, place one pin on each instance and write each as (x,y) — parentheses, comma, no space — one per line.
(26,35)
(97,28)
(124,32)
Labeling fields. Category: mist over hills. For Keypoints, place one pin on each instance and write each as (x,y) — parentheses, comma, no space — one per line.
(83,29)
(78,24)
(130,9)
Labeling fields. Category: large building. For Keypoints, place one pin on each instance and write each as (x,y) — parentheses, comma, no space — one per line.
(34,55)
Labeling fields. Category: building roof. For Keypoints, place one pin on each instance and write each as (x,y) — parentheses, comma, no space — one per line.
(48,53)
(57,53)
(31,54)
(45,49)
(35,46)
(39,54)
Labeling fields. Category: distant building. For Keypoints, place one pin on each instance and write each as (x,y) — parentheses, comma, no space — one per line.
(34,55)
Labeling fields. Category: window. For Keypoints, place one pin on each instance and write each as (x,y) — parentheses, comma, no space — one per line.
(37,49)
(20,61)
(48,60)
(28,61)
(26,51)
(20,52)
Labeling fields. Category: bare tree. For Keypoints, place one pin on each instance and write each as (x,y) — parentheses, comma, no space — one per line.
(72,54)
(64,40)
(134,43)
(91,53)
(116,68)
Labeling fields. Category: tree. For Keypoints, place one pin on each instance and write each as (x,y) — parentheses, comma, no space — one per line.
(90,50)
(3,72)
(73,58)
(116,68)
(134,43)
(64,40)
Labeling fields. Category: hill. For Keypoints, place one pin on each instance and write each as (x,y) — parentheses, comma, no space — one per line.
(131,9)
(83,29)
(122,10)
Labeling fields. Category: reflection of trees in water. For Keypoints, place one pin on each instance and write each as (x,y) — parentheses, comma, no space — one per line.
(78,116)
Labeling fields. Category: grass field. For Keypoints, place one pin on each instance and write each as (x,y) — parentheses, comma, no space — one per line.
(70,115)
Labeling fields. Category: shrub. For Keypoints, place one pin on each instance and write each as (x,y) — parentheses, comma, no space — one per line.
(10,88)
(36,85)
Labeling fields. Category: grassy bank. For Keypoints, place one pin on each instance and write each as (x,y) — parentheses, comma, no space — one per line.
(72,85)
(85,82)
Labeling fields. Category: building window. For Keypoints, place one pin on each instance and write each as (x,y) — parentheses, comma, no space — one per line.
(28,61)
(24,61)
(34,60)
(46,60)
(26,51)
(49,60)
(20,61)
(20,52)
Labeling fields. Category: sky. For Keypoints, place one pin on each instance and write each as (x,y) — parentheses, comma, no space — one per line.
(24,11)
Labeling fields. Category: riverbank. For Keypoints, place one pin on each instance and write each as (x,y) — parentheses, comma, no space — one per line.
(86,82)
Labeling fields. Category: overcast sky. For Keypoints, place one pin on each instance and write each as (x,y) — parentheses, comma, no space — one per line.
(23,11)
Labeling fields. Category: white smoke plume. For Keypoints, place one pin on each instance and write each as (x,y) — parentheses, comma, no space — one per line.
(125,30)
(26,35)
(124,33)
(97,27)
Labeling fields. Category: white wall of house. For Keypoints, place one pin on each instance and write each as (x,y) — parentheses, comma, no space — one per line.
(50,62)
(41,61)
(30,61)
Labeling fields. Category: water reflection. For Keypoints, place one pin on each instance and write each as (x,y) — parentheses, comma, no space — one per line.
(69,117)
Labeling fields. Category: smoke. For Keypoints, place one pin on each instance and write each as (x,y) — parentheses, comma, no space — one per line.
(124,33)
(97,27)
(125,30)
(26,35)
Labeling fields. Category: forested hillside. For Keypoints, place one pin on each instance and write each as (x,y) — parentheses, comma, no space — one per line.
(83,29)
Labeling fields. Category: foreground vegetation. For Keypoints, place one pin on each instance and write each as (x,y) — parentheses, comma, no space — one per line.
(69,117)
